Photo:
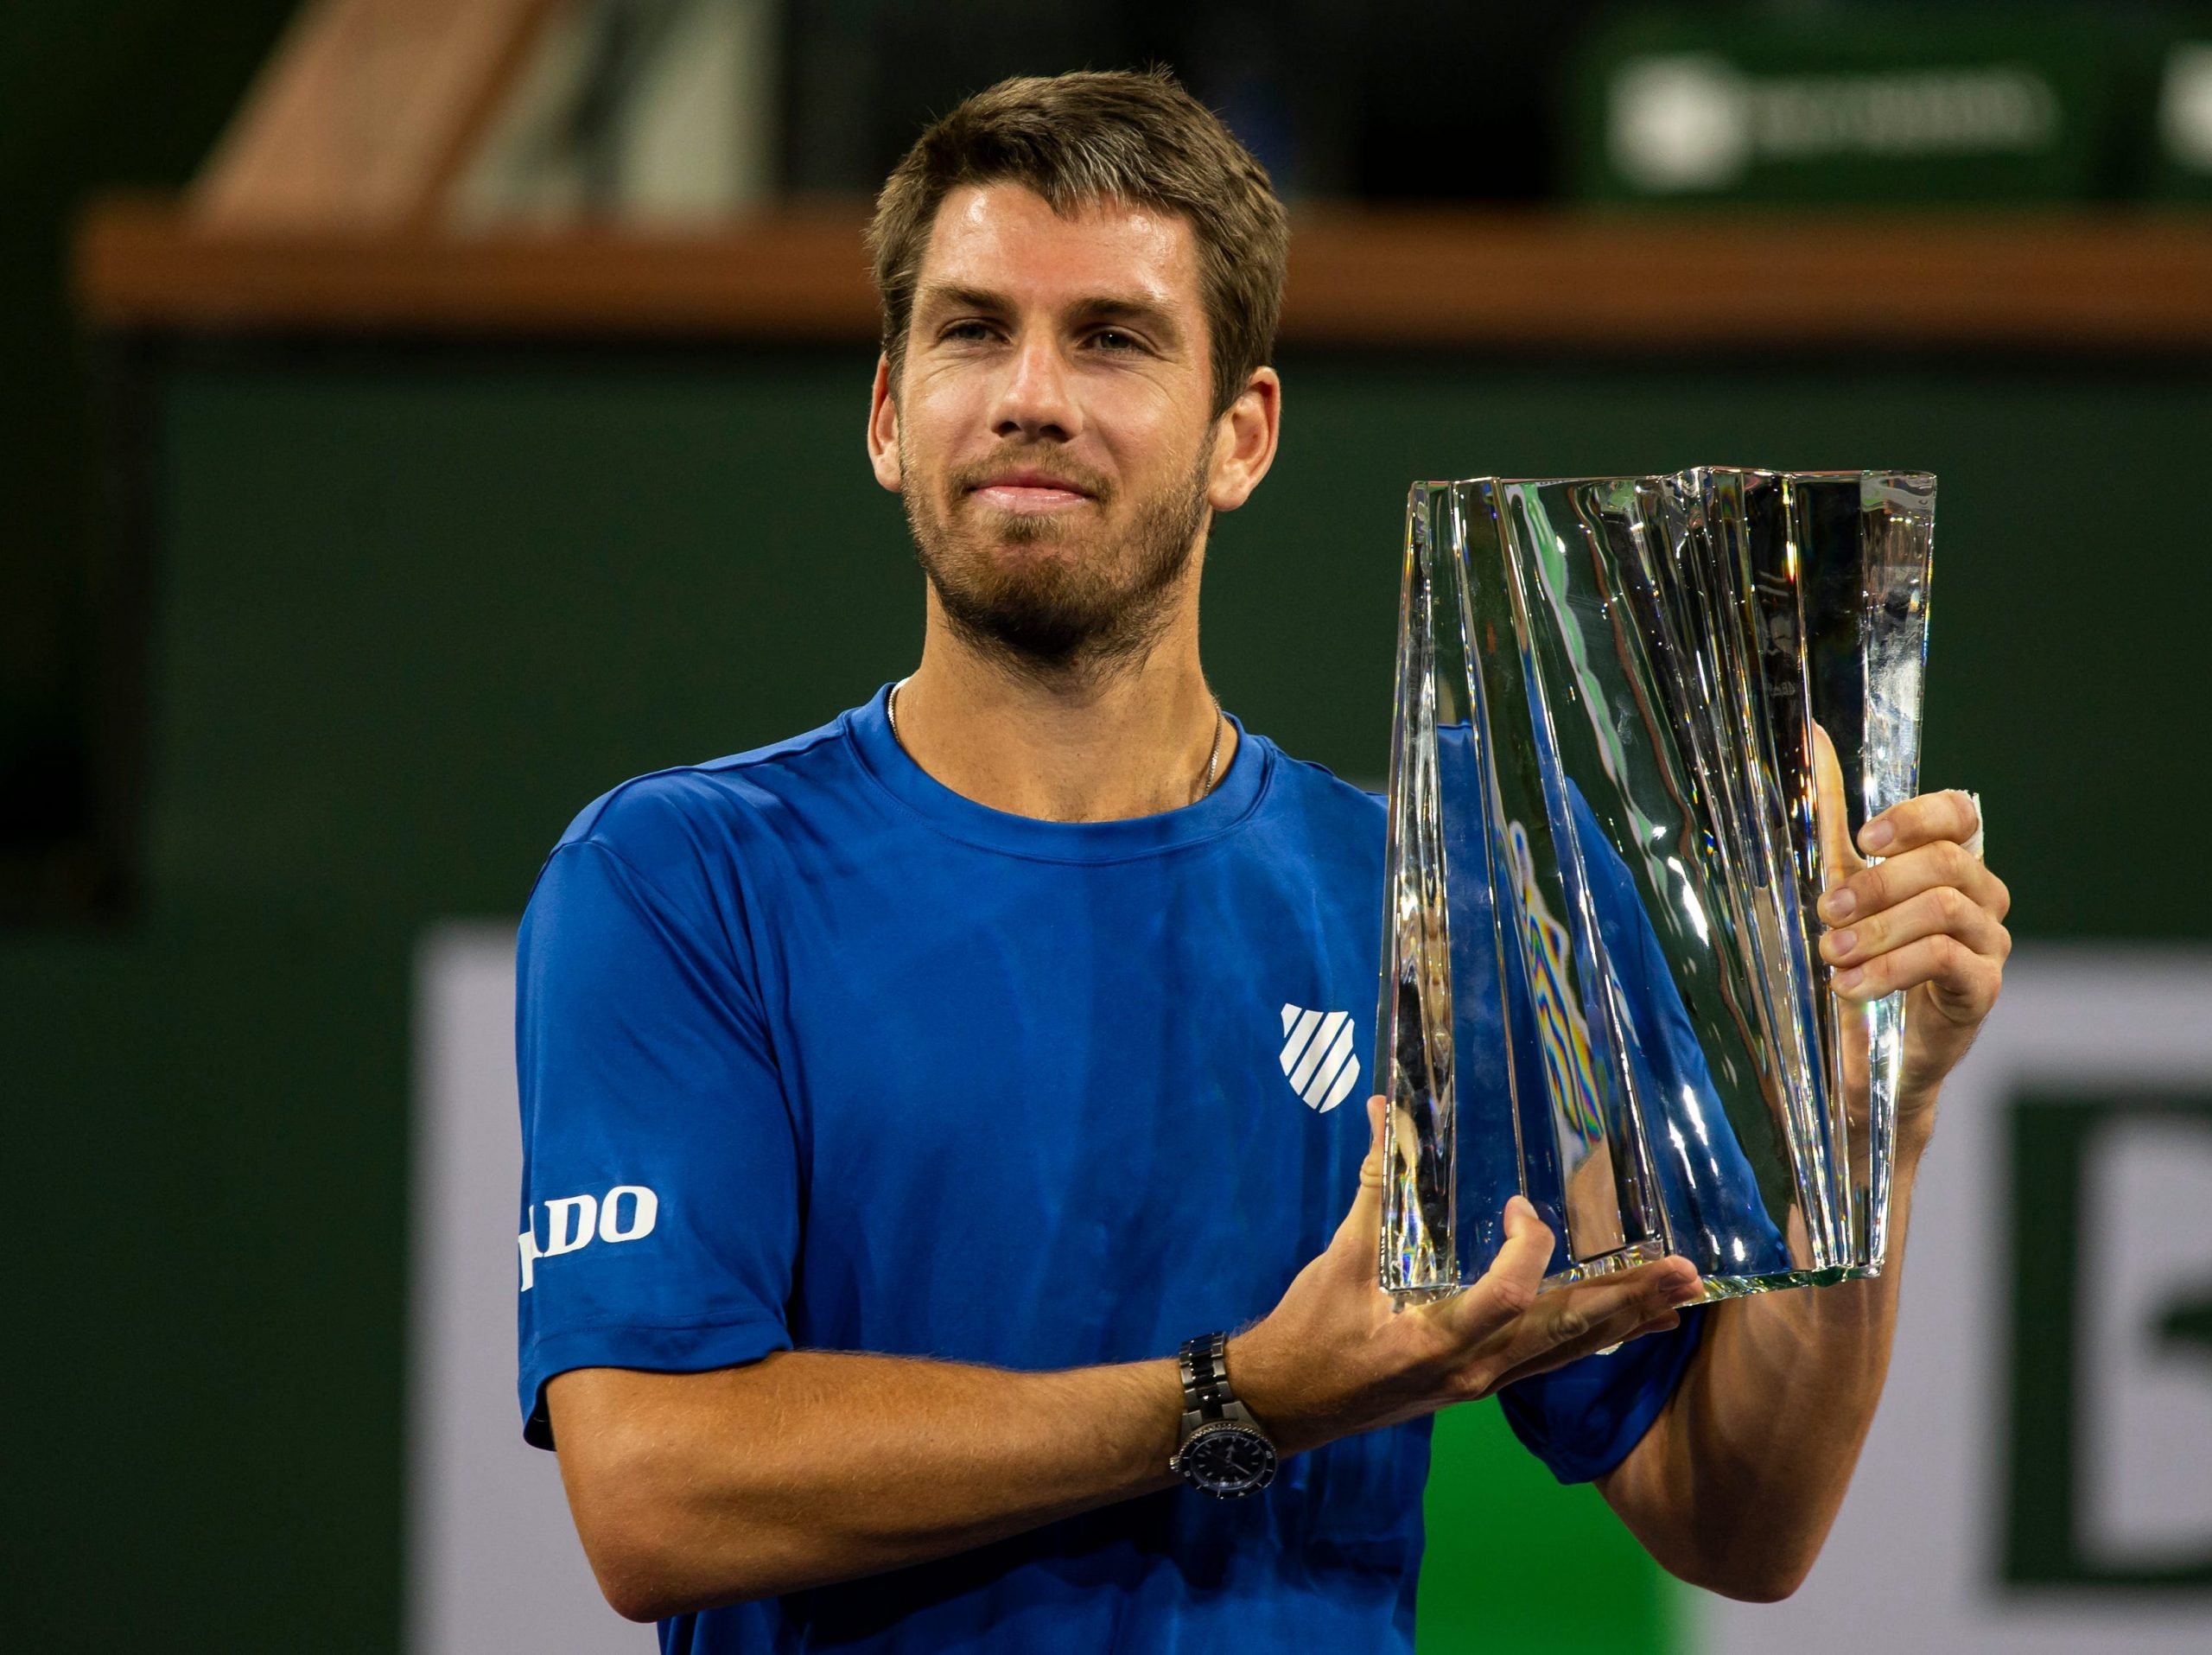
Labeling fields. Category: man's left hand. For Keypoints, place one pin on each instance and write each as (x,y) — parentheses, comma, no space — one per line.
(1927,919)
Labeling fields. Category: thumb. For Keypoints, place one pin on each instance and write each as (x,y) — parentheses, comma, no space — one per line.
(1360,1236)
(1840,858)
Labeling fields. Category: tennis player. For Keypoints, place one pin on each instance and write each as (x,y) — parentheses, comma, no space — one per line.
(933,1233)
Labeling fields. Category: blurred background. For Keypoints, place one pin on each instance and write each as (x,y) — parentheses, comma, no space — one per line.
(419,414)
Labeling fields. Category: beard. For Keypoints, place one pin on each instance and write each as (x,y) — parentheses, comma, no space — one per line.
(1095,597)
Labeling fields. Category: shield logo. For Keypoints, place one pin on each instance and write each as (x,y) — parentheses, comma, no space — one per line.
(1317,1056)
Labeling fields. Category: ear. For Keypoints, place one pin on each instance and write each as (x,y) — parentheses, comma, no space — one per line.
(883,428)
(1244,441)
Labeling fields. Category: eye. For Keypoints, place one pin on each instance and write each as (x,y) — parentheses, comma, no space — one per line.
(969,330)
(1113,339)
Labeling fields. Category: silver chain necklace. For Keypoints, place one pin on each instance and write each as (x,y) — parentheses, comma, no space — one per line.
(1213,757)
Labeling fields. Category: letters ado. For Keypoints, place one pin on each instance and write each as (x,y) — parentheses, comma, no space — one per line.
(572,1221)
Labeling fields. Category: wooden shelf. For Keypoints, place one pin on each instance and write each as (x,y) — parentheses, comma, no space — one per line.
(1397,277)
(145,264)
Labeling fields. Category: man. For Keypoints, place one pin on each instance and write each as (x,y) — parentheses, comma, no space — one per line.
(899,1100)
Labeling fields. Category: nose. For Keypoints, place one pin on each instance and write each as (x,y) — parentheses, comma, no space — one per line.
(1036,400)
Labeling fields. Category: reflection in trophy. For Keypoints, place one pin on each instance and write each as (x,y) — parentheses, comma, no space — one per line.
(1638,721)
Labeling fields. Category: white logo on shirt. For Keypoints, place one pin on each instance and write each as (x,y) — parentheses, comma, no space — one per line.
(573,1220)
(1317,1056)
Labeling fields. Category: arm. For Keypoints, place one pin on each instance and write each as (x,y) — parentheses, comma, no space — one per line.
(1738,1482)
(694,1489)
(1736,1485)
(807,1467)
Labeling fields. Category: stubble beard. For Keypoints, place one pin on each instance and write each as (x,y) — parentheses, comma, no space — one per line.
(1062,617)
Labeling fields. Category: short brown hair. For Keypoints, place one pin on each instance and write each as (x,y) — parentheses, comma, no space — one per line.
(1137,137)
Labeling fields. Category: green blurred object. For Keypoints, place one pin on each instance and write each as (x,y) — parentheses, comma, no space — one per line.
(1517,1565)
(1864,105)
(2179,164)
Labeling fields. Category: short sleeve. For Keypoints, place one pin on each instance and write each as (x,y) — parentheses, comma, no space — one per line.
(1582,1420)
(660,1202)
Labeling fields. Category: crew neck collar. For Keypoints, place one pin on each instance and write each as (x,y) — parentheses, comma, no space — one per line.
(1234,798)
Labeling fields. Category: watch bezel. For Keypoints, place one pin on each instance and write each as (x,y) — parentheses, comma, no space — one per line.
(1186,1469)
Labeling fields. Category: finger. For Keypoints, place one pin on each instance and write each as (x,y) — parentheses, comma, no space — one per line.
(1944,911)
(1886,884)
(1508,1288)
(1576,1321)
(1577,1314)
(1832,813)
(1609,1338)
(1360,1235)
(1922,820)
(1962,985)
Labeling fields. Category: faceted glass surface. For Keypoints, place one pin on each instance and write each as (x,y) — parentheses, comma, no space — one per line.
(1612,809)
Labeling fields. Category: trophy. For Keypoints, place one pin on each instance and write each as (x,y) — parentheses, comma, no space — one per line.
(1639,721)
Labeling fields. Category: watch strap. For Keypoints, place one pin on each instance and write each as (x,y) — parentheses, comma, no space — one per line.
(1205,1376)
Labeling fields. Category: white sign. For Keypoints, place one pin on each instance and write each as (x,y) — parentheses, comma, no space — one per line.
(493,1561)
(2042,1485)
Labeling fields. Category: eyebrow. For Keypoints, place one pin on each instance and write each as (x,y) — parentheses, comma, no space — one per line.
(1093,307)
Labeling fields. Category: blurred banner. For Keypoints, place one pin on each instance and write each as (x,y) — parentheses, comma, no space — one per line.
(1878,104)
(2039,1478)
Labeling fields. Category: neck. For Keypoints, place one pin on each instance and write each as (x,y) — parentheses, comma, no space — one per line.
(1074,744)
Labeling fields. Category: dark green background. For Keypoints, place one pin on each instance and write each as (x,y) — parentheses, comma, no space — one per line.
(416,605)
(94,94)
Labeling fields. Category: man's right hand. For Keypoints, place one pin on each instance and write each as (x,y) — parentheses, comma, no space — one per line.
(1339,1356)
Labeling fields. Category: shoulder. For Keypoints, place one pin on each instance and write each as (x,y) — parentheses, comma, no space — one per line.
(1319,825)
(669,826)
(718,793)
(1318,793)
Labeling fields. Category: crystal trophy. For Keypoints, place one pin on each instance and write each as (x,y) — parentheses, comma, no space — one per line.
(1639,721)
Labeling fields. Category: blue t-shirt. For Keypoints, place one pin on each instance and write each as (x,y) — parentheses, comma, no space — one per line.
(816,1052)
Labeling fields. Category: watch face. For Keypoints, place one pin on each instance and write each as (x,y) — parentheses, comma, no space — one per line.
(1228,1458)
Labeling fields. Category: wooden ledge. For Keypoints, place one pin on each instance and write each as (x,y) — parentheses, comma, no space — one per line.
(150,264)
(1432,276)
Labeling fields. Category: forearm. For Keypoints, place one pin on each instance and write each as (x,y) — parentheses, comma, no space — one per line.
(810,1468)
(1737,1484)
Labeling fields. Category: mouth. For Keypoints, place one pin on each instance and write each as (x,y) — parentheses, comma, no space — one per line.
(1029,492)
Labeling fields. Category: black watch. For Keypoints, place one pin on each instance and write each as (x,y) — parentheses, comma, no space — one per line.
(1222,1450)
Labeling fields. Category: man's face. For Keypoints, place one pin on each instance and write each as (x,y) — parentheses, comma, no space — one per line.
(1052,431)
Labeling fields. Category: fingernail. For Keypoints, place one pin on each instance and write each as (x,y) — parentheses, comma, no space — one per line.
(1839,905)
(1842,942)
(1875,835)
(1847,981)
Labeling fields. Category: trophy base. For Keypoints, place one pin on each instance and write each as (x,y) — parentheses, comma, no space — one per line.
(1736,1286)
(1717,1288)
(1612,1264)
(1407,1298)
(1588,1270)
